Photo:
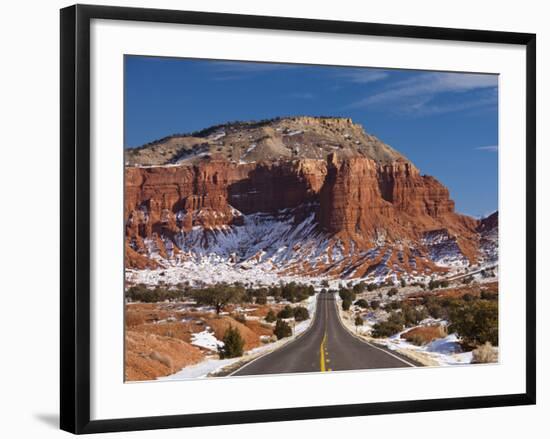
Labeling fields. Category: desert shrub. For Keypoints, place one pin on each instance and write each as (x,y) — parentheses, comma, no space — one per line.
(433,284)
(358,321)
(412,315)
(346,303)
(261,300)
(485,353)
(489,295)
(434,309)
(346,294)
(467,280)
(276,292)
(388,328)
(301,313)
(476,321)
(324,283)
(359,287)
(392,292)
(140,293)
(233,344)
(403,283)
(392,306)
(467,297)
(286,313)
(444,283)
(270,316)
(372,287)
(374,304)
(219,295)
(282,329)
(294,292)
(362,303)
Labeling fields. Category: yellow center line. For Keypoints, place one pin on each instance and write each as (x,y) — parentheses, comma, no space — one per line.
(323,347)
(322,352)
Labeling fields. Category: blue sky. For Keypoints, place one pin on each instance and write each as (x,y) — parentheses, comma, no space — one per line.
(445,123)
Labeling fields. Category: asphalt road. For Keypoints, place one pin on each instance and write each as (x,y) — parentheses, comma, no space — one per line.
(325,346)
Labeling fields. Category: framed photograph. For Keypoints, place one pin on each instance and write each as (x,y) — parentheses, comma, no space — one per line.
(268,218)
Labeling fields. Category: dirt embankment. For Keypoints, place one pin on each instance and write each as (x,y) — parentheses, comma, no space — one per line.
(159,336)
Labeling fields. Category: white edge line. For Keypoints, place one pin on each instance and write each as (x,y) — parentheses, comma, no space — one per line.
(279,348)
(368,343)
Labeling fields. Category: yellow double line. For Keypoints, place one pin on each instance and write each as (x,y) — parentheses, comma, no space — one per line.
(323,347)
(322,352)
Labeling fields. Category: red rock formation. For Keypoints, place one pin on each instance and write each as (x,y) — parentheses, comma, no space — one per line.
(357,199)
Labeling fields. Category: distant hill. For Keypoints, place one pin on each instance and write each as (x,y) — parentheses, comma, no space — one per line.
(301,137)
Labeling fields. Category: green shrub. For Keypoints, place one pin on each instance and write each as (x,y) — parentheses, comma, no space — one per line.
(359,287)
(392,292)
(413,316)
(467,280)
(476,322)
(346,303)
(294,292)
(387,328)
(489,295)
(392,305)
(358,321)
(301,313)
(362,303)
(219,295)
(372,287)
(270,316)
(286,313)
(374,304)
(346,294)
(403,283)
(434,309)
(233,344)
(282,329)
(140,293)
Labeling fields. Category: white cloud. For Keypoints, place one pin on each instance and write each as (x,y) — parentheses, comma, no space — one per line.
(234,70)
(418,91)
(490,148)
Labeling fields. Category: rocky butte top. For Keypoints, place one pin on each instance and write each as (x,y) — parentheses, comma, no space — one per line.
(302,137)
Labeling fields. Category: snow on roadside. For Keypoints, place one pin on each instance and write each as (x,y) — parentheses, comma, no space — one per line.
(445,351)
(200,370)
(311,306)
(206,339)
(213,365)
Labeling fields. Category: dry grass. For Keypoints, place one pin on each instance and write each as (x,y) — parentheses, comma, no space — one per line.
(158,342)
(485,354)
(259,328)
(221,324)
(424,334)
(149,356)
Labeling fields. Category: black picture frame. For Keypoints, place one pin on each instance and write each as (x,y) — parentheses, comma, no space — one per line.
(75,217)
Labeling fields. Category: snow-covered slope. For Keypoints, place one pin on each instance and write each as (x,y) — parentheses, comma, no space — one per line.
(267,248)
